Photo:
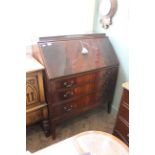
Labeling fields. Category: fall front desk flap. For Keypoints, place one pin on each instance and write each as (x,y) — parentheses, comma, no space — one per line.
(67,55)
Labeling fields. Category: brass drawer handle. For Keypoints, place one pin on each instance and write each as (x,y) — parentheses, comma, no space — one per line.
(68,94)
(67,109)
(65,84)
(68,85)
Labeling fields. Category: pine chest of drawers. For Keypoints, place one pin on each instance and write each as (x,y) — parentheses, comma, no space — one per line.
(121,129)
(80,74)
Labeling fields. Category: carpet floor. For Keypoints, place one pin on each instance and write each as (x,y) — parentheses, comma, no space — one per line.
(97,119)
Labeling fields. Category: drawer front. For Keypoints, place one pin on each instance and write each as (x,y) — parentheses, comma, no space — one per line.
(64,109)
(75,106)
(124,111)
(73,81)
(62,95)
(81,79)
(122,128)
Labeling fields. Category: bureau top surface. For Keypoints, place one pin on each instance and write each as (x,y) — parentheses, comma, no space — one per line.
(71,55)
(32,64)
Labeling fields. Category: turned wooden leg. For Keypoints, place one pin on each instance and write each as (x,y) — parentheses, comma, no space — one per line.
(53,132)
(109,106)
(45,122)
(46,127)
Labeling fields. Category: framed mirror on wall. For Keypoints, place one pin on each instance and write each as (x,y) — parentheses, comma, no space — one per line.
(107,10)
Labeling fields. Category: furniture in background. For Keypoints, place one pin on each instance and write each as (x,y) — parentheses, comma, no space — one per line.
(121,129)
(80,74)
(88,143)
(36,107)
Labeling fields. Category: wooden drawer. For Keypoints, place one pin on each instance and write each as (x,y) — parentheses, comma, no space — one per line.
(78,91)
(124,111)
(73,81)
(64,109)
(74,106)
(82,79)
(122,129)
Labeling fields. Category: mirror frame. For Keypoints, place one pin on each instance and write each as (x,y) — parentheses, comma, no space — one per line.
(106,20)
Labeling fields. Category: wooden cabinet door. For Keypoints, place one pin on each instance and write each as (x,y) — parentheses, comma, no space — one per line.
(32,89)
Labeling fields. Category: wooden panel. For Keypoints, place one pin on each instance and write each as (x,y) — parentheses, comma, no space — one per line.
(62,58)
(41,87)
(72,37)
(126,96)
(110,82)
(32,89)
(100,74)
(34,116)
(124,111)
(123,127)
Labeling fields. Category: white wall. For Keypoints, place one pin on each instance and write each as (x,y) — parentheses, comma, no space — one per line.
(58,17)
(118,34)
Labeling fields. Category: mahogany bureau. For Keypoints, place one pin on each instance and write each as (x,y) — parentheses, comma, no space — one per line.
(80,74)
(121,129)
(36,107)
